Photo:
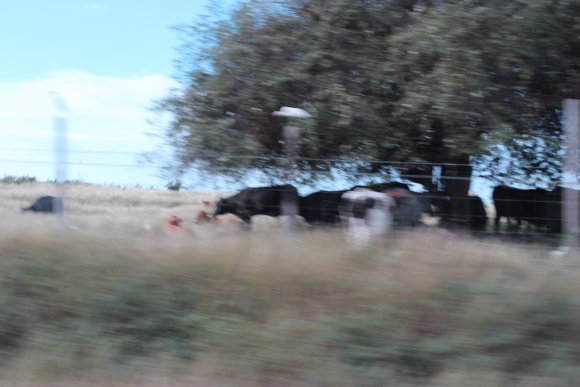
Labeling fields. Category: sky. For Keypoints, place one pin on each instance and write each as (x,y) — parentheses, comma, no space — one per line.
(108,61)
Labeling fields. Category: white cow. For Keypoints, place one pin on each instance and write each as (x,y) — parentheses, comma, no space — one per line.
(368,215)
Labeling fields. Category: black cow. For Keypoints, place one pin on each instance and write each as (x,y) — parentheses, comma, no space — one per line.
(46,204)
(547,212)
(409,206)
(477,215)
(513,204)
(460,211)
(321,207)
(538,207)
(380,187)
(257,201)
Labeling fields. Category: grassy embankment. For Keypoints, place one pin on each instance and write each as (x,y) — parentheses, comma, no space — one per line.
(108,302)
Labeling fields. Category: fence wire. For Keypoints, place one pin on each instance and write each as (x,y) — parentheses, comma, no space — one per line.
(513,216)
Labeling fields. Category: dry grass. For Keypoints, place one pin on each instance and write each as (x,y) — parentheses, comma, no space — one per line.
(96,207)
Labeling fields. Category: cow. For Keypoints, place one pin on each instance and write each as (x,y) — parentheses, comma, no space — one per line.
(47,205)
(465,212)
(547,212)
(368,215)
(321,207)
(204,216)
(380,187)
(258,201)
(537,207)
(513,204)
(173,226)
(477,216)
(409,206)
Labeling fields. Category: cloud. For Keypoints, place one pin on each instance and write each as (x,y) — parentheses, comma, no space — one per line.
(97,7)
(106,120)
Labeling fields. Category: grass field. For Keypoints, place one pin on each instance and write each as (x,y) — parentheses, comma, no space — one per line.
(104,298)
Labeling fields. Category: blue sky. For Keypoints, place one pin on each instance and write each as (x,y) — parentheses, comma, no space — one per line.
(108,60)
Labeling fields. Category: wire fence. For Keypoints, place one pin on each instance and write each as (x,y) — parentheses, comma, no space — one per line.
(511,211)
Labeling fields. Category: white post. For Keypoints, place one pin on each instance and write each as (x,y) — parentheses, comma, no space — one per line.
(289,206)
(291,135)
(60,144)
(570,213)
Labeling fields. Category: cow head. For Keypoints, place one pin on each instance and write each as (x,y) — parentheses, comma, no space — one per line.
(174,220)
(224,206)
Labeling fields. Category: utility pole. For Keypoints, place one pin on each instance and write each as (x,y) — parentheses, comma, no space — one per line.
(570,210)
(291,135)
(60,146)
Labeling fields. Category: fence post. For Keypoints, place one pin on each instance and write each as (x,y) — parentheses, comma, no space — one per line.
(289,206)
(60,144)
(291,136)
(570,220)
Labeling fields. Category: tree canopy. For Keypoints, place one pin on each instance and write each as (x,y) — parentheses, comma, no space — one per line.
(390,80)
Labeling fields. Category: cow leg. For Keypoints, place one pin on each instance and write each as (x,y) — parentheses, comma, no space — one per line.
(246,218)
(514,224)
(359,232)
(496,223)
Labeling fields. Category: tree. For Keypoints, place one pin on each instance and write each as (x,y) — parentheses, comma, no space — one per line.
(399,81)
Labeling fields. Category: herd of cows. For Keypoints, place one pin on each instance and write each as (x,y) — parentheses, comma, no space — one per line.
(537,208)
(375,209)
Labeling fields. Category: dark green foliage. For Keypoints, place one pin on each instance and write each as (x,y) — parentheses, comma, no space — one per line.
(174,185)
(17,179)
(120,309)
(444,332)
(394,81)
(29,293)
(142,316)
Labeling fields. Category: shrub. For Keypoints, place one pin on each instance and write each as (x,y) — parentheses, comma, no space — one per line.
(145,314)
(174,185)
(17,179)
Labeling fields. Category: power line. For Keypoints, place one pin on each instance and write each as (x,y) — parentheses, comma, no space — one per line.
(225,157)
(79,163)
(69,151)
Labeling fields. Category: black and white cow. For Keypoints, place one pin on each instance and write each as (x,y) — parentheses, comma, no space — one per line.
(410,205)
(47,205)
(259,201)
(368,214)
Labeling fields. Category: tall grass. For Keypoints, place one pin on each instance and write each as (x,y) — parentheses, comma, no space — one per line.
(108,302)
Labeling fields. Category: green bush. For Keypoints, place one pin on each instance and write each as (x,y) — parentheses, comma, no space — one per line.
(29,292)
(174,185)
(17,179)
(144,315)
(85,308)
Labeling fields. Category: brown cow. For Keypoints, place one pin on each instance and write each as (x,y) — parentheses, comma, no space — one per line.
(173,226)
